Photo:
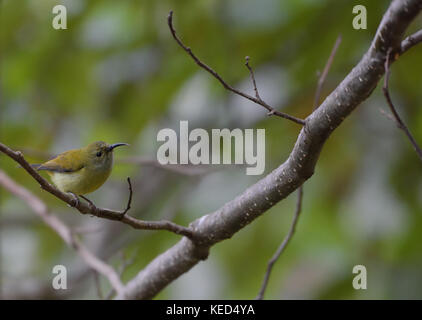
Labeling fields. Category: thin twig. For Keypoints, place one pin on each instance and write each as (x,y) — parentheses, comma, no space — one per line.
(252,78)
(39,207)
(324,74)
(393,110)
(129,201)
(90,208)
(283,245)
(270,109)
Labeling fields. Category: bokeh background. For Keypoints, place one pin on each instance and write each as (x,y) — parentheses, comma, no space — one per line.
(117,75)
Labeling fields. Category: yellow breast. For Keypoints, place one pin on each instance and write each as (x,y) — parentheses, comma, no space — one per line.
(80,182)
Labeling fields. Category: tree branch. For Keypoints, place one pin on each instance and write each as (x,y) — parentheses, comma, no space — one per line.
(400,124)
(62,230)
(257,100)
(237,213)
(90,207)
(252,78)
(283,245)
(411,41)
(324,74)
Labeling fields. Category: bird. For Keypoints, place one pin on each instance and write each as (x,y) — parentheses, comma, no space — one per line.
(81,171)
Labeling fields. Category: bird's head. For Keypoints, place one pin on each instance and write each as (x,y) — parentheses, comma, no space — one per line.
(100,154)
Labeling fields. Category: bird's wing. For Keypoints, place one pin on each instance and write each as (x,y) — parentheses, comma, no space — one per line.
(69,161)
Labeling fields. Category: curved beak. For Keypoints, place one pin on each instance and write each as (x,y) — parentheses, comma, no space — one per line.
(114,145)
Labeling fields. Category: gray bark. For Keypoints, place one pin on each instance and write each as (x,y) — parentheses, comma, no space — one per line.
(236,214)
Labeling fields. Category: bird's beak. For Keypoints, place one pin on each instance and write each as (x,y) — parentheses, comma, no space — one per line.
(114,145)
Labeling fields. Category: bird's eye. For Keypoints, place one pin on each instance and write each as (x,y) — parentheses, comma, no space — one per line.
(99,153)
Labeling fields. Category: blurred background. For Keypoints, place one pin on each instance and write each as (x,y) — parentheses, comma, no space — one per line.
(117,75)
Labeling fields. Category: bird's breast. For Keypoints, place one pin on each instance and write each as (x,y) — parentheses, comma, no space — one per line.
(80,182)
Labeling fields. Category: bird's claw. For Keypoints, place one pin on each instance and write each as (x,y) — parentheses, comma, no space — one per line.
(75,201)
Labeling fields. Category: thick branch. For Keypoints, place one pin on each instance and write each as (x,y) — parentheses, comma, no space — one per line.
(62,230)
(411,41)
(85,208)
(236,214)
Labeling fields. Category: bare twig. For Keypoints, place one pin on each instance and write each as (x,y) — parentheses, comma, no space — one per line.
(252,78)
(129,201)
(90,207)
(396,116)
(283,245)
(324,74)
(259,101)
(62,230)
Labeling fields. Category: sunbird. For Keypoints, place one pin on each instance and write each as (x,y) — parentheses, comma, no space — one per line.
(81,171)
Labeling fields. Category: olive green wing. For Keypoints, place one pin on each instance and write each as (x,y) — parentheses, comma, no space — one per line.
(69,161)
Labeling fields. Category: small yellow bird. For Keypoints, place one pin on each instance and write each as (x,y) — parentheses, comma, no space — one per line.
(81,171)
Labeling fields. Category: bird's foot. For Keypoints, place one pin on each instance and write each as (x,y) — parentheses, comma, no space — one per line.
(76,201)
